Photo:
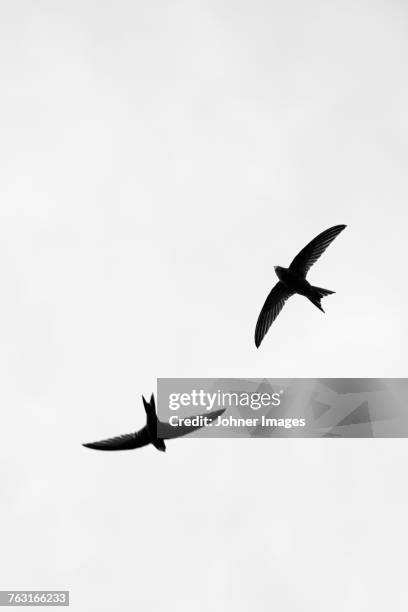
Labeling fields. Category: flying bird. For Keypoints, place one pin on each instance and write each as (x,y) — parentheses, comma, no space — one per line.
(293,280)
(148,433)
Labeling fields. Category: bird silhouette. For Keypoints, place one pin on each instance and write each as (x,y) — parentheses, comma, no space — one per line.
(148,433)
(293,280)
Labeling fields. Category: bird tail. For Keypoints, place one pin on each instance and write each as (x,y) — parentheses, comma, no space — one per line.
(159,444)
(317,294)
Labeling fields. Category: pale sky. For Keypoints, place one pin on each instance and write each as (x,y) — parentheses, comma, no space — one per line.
(158,159)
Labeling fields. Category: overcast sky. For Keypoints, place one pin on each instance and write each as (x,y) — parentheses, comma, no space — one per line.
(158,159)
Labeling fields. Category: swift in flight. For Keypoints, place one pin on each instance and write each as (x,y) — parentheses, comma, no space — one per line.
(148,433)
(293,280)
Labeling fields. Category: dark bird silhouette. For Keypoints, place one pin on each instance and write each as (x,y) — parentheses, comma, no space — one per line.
(293,280)
(148,433)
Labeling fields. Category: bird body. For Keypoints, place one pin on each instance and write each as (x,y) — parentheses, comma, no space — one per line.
(151,424)
(292,280)
(296,283)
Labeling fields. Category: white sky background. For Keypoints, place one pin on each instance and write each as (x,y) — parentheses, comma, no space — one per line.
(158,159)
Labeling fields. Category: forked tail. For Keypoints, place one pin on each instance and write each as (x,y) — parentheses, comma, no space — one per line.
(318,294)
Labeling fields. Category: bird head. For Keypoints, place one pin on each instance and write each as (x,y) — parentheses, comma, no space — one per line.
(278,270)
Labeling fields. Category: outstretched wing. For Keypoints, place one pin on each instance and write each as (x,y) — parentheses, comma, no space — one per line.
(312,251)
(127,442)
(270,310)
(167,431)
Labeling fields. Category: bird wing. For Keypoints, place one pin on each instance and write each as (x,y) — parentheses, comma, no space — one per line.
(312,251)
(126,442)
(270,310)
(168,431)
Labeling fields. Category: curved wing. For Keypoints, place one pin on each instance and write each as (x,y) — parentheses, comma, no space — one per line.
(270,310)
(127,442)
(312,251)
(168,431)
